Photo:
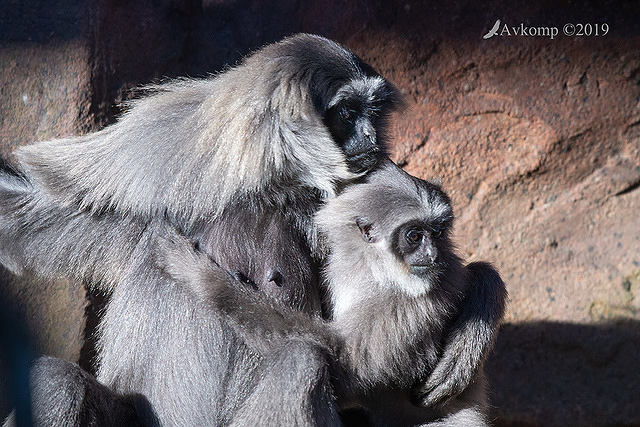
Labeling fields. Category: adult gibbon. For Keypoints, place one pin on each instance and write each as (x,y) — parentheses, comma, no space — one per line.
(239,163)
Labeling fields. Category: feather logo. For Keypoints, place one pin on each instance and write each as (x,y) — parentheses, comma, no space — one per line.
(492,32)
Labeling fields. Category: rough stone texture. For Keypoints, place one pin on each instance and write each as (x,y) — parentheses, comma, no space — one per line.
(536,139)
(45,87)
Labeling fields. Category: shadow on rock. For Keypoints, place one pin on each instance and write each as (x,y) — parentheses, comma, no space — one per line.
(551,374)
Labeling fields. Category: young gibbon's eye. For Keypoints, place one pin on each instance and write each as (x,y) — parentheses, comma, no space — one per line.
(413,236)
(436,232)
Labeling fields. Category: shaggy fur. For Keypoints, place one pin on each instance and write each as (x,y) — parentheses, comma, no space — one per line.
(238,162)
(391,325)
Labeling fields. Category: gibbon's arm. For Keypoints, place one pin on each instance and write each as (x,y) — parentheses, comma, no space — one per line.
(40,235)
(470,339)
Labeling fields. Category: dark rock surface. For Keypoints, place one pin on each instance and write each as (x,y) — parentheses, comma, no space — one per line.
(536,139)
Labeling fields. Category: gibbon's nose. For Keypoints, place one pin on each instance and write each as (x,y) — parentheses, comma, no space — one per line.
(426,255)
(365,139)
(369,137)
(369,133)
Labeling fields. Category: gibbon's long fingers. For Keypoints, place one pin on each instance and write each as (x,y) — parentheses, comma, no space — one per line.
(453,374)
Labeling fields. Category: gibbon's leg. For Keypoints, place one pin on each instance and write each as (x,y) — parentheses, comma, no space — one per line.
(294,390)
(63,395)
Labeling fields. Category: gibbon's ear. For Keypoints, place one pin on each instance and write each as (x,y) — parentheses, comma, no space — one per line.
(367,229)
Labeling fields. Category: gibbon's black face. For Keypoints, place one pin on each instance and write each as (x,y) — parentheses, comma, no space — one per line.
(351,126)
(356,120)
(419,244)
(412,216)
(353,100)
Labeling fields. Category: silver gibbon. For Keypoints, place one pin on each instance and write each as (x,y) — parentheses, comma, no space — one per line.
(402,305)
(239,163)
(245,156)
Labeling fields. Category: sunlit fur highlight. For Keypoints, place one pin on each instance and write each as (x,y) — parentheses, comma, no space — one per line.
(239,162)
(391,331)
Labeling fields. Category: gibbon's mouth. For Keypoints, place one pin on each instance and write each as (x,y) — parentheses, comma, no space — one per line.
(431,269)
(420,270)
(362,163)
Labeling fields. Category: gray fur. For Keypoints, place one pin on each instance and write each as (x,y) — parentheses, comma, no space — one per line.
(238,162)
(194,146)
(392,331)
(388,198)
(65,395)
(214,157)
(39,235)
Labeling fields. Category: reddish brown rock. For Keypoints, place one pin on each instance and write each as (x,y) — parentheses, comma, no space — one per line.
(536,139)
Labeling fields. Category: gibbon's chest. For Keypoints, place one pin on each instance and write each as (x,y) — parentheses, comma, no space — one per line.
(266,249)
(389,338)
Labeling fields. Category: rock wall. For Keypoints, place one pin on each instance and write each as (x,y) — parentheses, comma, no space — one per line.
(535,134)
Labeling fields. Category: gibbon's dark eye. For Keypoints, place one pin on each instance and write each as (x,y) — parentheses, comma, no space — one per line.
(413,236)
(339,120)
(436,232)
(346,115)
